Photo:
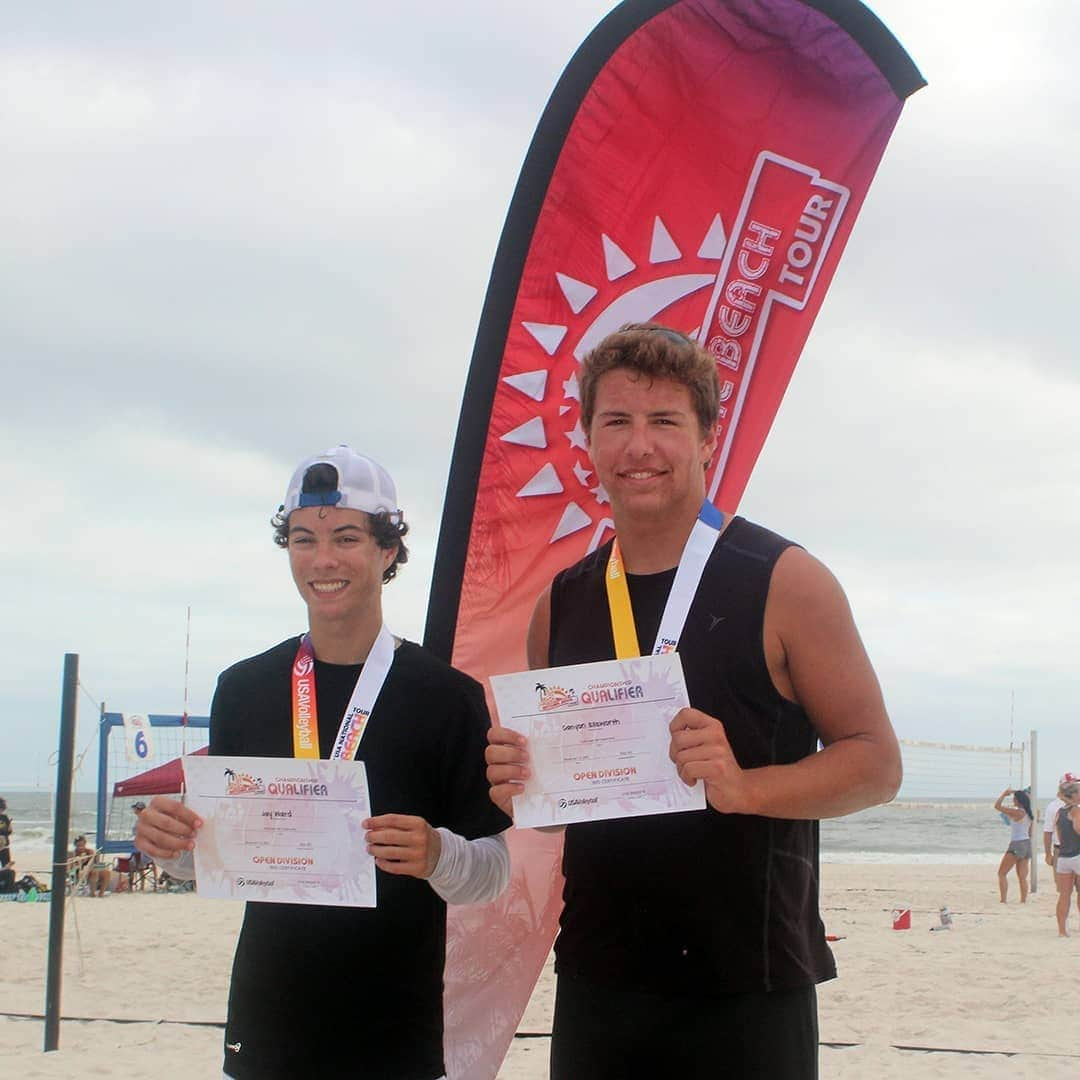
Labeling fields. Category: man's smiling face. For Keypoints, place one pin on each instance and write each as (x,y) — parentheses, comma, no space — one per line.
(335,561)
(647,445)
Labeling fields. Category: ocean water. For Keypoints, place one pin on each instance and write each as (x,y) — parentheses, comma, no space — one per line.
(942,831)
(31,814)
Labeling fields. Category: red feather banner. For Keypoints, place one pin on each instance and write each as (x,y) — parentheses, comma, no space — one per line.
(700,164)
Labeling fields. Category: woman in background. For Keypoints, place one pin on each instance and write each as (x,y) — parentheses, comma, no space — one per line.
(1067,866)
(1018,853)
(5,835)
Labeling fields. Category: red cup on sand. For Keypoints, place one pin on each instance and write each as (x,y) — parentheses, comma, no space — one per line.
(901,918)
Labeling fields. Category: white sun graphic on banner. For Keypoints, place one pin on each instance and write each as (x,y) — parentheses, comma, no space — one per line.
(640,296)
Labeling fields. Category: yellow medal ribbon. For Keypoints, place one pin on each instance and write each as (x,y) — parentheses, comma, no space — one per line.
(622,614)
(695,554)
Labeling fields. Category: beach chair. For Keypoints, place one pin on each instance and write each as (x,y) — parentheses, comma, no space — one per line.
(136,869)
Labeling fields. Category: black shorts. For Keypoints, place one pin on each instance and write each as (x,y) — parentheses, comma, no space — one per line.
(602,1033)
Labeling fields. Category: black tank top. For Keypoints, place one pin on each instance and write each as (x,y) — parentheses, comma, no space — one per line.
(1067,835)
(715,903)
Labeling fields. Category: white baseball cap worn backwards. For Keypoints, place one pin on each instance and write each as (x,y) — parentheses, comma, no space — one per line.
(342,477)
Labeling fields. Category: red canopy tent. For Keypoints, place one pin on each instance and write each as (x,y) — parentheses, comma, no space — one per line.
(164,779)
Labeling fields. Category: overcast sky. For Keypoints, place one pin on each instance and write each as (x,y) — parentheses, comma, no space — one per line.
(237,233)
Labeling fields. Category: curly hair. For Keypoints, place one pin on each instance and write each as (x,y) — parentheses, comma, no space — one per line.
(657,352)
(386,532)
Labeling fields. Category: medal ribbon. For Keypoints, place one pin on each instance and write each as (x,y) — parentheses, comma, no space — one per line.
(357,712)
(696,552)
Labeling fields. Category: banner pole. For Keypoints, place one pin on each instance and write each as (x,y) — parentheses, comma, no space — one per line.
(61,828)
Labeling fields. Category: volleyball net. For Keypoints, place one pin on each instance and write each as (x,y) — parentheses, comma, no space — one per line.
(940,770)
(138,756)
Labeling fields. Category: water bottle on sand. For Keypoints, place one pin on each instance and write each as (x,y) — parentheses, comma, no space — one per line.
(946,918)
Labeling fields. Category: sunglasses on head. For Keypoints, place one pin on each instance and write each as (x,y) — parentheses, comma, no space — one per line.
(672,335)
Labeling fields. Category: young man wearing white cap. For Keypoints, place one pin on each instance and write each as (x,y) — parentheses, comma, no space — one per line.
(336,991)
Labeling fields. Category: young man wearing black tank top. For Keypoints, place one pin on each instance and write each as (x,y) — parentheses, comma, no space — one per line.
(690,944)
(325,991)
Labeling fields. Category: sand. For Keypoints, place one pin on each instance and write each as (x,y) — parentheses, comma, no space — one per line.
(147,974)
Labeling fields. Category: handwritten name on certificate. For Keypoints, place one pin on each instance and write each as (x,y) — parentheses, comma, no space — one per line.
(280,829)
(598,739)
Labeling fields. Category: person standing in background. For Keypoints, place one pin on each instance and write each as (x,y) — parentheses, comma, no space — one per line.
(5,835)
(1067,865)
(1050,845)
(1018,853)
(1050,821)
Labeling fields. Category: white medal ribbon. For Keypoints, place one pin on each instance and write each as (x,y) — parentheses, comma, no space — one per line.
(364,695)
(699,546)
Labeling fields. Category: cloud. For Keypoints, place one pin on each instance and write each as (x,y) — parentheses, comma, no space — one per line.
(237,234)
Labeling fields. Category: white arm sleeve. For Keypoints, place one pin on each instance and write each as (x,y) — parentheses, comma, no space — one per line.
(471,871)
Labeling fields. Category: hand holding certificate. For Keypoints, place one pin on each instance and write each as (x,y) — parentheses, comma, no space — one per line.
(598,739)
(281,829)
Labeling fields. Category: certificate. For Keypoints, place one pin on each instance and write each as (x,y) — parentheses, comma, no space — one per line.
(598,739)
(281,829)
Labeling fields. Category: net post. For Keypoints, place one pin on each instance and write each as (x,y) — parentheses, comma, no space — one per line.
(1036,851)
(103,772)
(61,828)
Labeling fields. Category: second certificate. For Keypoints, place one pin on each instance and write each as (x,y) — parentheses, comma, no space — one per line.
(598,739)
